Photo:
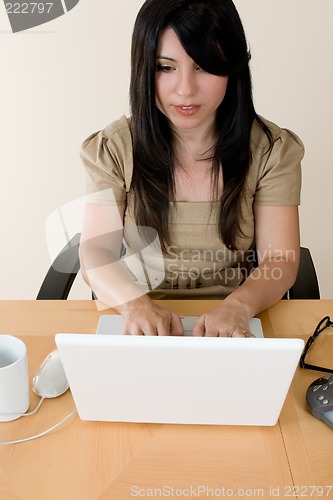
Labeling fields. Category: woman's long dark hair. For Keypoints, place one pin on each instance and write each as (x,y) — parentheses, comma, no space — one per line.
(212,34)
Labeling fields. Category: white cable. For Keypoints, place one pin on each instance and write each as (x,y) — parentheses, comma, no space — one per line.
(2,443)
(35,410)
(24,414)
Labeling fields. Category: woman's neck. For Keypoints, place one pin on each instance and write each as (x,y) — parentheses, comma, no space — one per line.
(194,151)
(193,145)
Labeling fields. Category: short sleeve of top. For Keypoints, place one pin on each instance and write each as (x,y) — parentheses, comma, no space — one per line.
(275,174)
(108,160)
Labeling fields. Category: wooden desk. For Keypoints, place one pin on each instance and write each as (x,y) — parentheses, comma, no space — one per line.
(97,460)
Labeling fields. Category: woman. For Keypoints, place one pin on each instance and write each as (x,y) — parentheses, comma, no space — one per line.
(198,165)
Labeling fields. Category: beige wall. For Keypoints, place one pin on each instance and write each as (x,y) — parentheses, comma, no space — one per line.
(65,79)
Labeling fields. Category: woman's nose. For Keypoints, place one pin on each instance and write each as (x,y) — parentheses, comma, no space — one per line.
(186,83)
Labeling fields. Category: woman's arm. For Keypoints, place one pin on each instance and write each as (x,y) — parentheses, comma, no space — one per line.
(110,279)
(278,247)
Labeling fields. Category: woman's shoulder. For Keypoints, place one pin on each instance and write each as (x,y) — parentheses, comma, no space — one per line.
(275,172)
(120,128)
(257,129)
(259,137)
(108,157)
(112,142)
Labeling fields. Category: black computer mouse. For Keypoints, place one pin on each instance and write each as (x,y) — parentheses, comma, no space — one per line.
(319,397)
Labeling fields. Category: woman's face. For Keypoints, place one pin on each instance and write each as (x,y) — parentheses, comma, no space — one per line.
(187,95)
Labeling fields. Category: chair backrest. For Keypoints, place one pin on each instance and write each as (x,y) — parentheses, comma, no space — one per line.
(306,284)
(61,275)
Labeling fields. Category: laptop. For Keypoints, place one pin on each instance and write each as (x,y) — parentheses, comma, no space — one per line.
(178,380)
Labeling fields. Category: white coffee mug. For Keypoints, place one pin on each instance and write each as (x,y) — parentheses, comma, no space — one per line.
(14,380)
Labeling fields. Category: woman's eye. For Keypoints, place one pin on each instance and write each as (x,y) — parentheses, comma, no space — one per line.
(164,67)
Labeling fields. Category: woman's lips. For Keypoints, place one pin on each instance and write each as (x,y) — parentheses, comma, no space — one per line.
(187,110)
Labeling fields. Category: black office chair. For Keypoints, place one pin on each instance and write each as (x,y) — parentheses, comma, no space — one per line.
(62,273)
(306,284)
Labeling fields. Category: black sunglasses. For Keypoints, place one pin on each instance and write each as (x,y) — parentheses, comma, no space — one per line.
(322,325)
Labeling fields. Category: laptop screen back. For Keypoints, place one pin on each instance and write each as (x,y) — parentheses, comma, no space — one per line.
(181,380)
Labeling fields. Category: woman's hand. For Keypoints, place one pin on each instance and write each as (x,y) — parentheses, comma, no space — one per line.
(229,319)
(144,317)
